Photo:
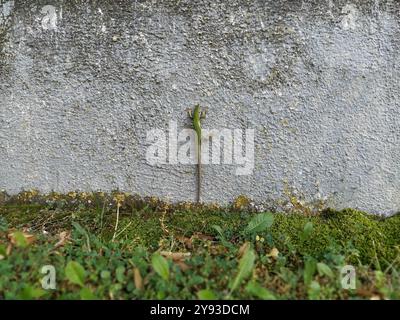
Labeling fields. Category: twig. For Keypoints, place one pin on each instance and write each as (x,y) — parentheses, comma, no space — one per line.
(126,227)
(102,215)
(116,223)
(162,219)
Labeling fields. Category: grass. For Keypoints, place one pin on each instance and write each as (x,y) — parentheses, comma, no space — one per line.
(184,251)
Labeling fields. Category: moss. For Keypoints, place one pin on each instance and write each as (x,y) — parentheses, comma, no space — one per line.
(20,214)
(145,232)
(390,228)
(363,230)
(189,222)
(374,238)
(147,221)
(241,202)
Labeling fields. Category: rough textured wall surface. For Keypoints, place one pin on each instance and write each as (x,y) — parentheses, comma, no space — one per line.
(82,82)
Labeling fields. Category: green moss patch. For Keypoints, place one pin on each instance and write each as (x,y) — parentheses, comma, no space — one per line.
(208,241)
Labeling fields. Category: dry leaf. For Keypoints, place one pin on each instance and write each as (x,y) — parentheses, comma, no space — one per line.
(186,241)
(365,293)
(184,267)
(138,279)
(203,237)
(9,248)
(175,255)
(273,253)
(28,237)
(243,248)
(64,238)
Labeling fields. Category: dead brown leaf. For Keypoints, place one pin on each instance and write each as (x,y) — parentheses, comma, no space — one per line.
(203,236)
(184,267)
(64,236)
(185,241)
(30,238)
(273,253)
(8,250)
(138,279)
(243,248)
(175,255)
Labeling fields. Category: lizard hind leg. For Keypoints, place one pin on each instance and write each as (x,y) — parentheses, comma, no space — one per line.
(189,112)
(204,113)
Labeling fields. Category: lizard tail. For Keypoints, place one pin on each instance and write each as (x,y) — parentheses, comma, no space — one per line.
(199,174)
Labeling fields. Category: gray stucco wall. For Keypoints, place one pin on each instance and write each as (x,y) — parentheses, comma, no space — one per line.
(81,84)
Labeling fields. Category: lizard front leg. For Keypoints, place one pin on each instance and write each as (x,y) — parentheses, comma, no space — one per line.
(189,111)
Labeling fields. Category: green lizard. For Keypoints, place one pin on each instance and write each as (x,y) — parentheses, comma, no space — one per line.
(196,116)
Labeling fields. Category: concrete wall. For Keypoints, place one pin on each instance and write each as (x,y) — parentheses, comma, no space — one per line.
(83,82)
